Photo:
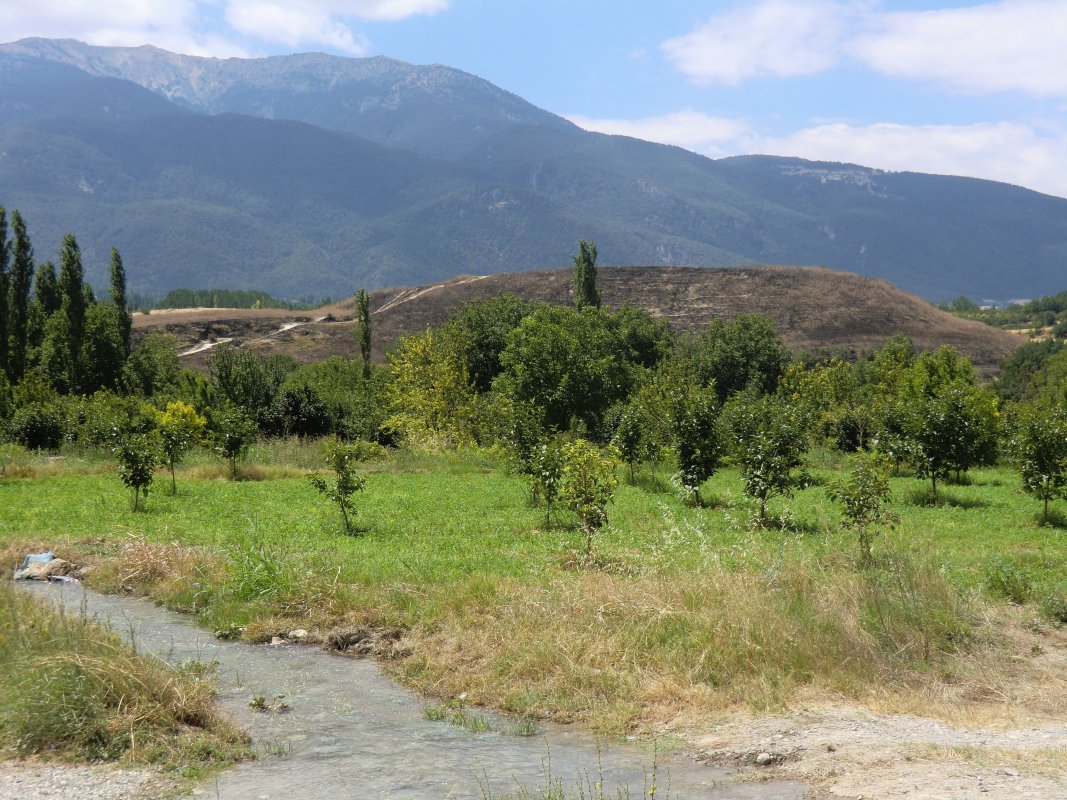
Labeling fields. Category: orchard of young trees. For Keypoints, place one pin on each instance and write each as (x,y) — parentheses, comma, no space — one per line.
(530,378)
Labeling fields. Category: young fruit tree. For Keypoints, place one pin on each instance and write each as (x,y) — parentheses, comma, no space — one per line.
(769,442)
(179,427)
(234,432)
(341,459)
(1039,448)
(697,444)
(588,485)
(863,496)
(137,455)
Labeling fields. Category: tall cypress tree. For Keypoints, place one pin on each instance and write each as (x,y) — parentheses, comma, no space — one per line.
(5,255)
(585,290)
(71,289)
(118,297)
(19,298)
(363,332)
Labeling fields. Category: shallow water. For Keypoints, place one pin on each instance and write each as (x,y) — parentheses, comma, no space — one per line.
(351,732)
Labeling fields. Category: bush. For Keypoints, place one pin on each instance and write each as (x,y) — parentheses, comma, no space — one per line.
(1010,582)
(37,426)
(588,484)
(341,459)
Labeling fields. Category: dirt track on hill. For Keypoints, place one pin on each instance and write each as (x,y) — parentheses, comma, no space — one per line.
(814,309)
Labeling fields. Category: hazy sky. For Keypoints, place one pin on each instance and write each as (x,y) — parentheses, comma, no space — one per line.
(939,86)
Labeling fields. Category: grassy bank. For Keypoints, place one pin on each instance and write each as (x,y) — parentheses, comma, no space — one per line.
(684,612)
(71,690)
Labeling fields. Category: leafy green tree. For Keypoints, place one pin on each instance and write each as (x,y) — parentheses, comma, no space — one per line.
(180,427)
(588,485)
(55,358)
(631,439)
(103,351)
(586,293)
(568,363)
(740,354)
(769,443)
(117,275)
(1038,446)
(429,395)
(248,380)
(356,405)
(695,435)
(864,497)
(483,326)
(37,426)
(153,366)
(19,299)
(341,459)
(953,431)
(363,329)
(298,411)
(233,432)
(137,456)
(1019,369)
(645,340)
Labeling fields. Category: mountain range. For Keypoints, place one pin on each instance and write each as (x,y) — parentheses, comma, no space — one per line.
(310,174)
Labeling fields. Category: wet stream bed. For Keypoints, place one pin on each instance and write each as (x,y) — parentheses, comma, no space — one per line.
(349,731)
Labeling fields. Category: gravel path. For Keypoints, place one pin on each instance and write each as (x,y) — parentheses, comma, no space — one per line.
(21,780)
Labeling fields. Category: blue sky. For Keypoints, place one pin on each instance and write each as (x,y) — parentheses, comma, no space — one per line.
(945,86)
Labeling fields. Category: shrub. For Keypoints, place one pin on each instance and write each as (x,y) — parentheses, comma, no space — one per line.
(37,426)
(137,455)
(234,432)
(863,497)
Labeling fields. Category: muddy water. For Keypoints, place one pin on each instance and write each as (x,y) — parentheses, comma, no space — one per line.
(351,732)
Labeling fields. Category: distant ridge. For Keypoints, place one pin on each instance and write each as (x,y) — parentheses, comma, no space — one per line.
(813,309)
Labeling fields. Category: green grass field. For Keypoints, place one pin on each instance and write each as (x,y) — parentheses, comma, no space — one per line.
(682,610)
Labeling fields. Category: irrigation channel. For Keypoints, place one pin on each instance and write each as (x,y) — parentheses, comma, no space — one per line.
(349,731)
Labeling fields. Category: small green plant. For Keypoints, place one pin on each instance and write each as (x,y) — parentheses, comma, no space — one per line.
(261,703)
(1039,448)
(341,459)
(11,455)
(769,439)
(588,485)
(546,474)
(863,496)
(137,455)
(1009,581)
(455,712)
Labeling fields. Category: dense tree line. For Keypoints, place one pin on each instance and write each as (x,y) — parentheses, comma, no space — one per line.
(530,378)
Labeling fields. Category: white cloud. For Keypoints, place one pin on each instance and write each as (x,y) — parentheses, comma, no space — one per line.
(770,37)
(292,25)
(1009,45)
(693,130)
(167,23)
(183,25)
(1013,45)
(1011,152)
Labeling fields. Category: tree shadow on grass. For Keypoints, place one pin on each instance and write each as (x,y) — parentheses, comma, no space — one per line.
(650,482)
(925,497)
(788,524)
(1056,519)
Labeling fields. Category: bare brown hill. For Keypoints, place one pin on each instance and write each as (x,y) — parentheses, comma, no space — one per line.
(814,308)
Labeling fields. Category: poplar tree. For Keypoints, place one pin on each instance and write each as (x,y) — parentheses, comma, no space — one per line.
(5,255)
(585,290)
(72,292)
(46,289)
(20,281)
(363,332)
(118,297)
